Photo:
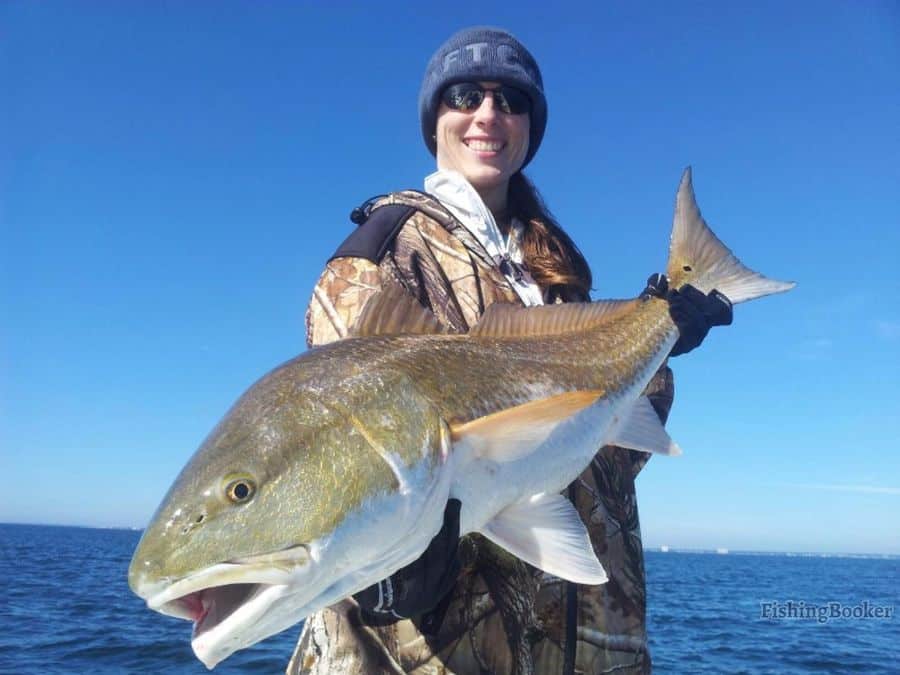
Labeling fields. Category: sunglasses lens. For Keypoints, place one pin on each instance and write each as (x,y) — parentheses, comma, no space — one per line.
(467,96)
(512,101)
(464,96)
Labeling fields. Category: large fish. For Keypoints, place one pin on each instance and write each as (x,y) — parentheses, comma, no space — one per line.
(333,471)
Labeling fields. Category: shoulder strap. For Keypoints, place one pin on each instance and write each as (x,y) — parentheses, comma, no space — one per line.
(375,234)
(380,219)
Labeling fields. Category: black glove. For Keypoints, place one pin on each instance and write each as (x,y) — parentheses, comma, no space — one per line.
(693,311)
(423,583)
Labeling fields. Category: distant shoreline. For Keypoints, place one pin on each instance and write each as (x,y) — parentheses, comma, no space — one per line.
(784,554)
(647,549)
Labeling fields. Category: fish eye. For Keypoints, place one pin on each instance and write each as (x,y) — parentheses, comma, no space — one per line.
(240,490)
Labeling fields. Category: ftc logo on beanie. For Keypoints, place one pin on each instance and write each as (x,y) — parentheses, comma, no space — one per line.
(476,53)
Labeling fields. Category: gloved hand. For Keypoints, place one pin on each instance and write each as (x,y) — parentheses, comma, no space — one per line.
(418,587)
(693,311)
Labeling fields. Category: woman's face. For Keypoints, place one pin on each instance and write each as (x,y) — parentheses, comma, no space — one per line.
(485,145)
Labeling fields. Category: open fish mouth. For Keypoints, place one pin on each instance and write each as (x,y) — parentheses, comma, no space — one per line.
(220,600)
(211,607)
(225,599)
(227,607)
(227,585)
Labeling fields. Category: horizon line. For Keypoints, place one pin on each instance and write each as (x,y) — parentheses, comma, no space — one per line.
(656,548)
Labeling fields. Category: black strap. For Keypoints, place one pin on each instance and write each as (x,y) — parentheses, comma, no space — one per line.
(431,621)
(374,236)
(571,615)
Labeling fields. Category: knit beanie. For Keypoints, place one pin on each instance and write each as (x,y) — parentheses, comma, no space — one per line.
(482,54)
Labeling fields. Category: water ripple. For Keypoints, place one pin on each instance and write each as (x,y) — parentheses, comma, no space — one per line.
(67,608)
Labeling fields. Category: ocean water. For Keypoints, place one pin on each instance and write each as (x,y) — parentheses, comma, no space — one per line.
(705,613)
(66,608)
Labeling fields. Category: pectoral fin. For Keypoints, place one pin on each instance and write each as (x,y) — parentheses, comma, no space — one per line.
(514,433)
(546,531)
(639,428)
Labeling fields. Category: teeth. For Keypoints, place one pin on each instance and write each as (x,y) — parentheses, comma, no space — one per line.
(485,146)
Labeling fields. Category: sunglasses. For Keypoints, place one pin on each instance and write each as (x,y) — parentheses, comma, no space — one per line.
(468,96)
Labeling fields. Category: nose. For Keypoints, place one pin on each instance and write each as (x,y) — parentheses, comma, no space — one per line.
(487,111)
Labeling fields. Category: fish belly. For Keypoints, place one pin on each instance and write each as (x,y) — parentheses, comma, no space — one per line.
(486,487)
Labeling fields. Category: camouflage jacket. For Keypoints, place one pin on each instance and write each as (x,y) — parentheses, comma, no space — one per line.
(504,616)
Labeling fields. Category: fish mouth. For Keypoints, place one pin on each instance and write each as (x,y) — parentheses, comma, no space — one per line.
(211,607)
(224,599)
(213,604)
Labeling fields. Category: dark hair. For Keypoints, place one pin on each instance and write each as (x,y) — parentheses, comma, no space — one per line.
(551,257)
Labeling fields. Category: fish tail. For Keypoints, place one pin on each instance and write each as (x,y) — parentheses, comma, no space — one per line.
(699,258)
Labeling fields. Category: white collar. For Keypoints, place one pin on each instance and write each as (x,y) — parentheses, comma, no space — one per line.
(464,202)
(458,195)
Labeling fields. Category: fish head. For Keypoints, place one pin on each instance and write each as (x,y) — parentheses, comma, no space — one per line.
(251,537)
(228,542)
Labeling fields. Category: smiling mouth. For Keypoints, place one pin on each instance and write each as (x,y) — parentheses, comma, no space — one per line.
(484,146)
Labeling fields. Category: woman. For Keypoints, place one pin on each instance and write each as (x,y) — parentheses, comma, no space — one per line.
(481,234)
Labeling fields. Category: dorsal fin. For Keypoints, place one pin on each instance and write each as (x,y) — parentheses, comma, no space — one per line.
(394,311)
(507,320)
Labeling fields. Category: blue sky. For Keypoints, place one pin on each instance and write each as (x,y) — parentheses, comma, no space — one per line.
(173,176)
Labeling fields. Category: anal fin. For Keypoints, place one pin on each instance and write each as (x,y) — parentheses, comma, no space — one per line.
(546,531)
(639,428)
